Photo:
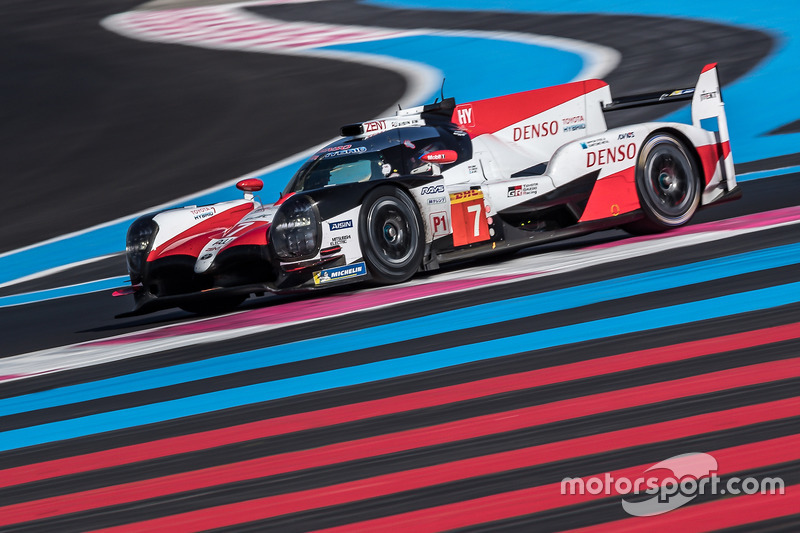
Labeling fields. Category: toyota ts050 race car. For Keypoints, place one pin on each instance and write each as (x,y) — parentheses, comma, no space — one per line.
(438,183)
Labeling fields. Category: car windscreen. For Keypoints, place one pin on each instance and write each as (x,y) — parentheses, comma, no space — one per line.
(330,169)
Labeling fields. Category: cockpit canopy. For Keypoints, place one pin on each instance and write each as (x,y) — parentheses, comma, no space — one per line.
(385,155)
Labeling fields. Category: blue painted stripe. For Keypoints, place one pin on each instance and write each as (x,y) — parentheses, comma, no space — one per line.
(204,403)
(478,68)
(61,292)
(767,174)
(446,322)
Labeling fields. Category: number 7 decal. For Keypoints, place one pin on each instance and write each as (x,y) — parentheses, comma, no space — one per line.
(468,218)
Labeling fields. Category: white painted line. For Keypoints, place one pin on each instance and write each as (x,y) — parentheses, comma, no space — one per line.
(530,266)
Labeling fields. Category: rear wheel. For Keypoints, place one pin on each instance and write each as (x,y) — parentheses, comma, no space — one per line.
(391,235)
(668,185)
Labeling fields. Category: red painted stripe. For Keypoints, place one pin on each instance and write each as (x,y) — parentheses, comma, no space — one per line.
(263,508)
(712,516)
(397,404)
(400,441)
(533,500)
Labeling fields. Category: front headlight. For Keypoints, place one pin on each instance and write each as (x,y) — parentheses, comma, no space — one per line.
(296,229)
(138,242)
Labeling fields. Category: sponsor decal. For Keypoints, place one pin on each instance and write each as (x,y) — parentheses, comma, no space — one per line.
(375,126)
(573,123)
(432,189)
(523,190)
(465,116)
(439,224)
(614,210)
(203,212)
(347,151)
(679,92)
(472,169)
(205,257)
(437,200)
(708,95)
(623,136)
(460,133)
(341,224)
(409,144)
(335,274)
(340,240)
(594,142)
(534,131)
(434,156)
(623,152)
(465,196)
(335,148)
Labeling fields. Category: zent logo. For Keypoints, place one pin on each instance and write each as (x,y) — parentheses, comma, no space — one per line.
(432,189)
(342,224)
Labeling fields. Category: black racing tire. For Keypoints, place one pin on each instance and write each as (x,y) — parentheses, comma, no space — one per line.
(213,306)
(391,235)
(668,184)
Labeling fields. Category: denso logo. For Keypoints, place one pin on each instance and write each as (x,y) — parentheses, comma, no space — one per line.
(342,224)
(533,131)
(432,189)
(622,152)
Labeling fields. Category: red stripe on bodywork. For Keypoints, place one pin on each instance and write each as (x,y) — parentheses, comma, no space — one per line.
(711,155)
(612,196)
(493,114)
(395,404)
(192,241)
(402,441)
(533,500)
(363,489)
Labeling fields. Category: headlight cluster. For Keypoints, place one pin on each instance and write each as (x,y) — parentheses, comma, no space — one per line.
(141,235)
(296,229)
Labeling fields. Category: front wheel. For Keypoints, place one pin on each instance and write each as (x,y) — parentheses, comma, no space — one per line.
(668,185)
(391,235)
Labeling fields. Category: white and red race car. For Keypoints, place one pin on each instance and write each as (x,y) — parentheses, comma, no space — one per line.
(438,183)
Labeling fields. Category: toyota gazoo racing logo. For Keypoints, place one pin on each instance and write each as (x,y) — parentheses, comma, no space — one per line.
(432,189)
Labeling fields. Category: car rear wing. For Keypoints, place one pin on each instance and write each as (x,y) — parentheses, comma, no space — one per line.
(708,110)
(705,96)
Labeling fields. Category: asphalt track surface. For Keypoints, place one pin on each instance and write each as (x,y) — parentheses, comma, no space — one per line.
(481,445)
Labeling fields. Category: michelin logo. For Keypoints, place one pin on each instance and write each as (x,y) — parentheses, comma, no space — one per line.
(335,274)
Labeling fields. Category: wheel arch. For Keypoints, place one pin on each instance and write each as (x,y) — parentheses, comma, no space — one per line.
(687,144)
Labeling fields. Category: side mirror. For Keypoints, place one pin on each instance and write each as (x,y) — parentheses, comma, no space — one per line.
(249,186)
(441,157)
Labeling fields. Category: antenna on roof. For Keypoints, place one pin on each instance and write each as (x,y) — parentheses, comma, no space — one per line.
(442,91)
